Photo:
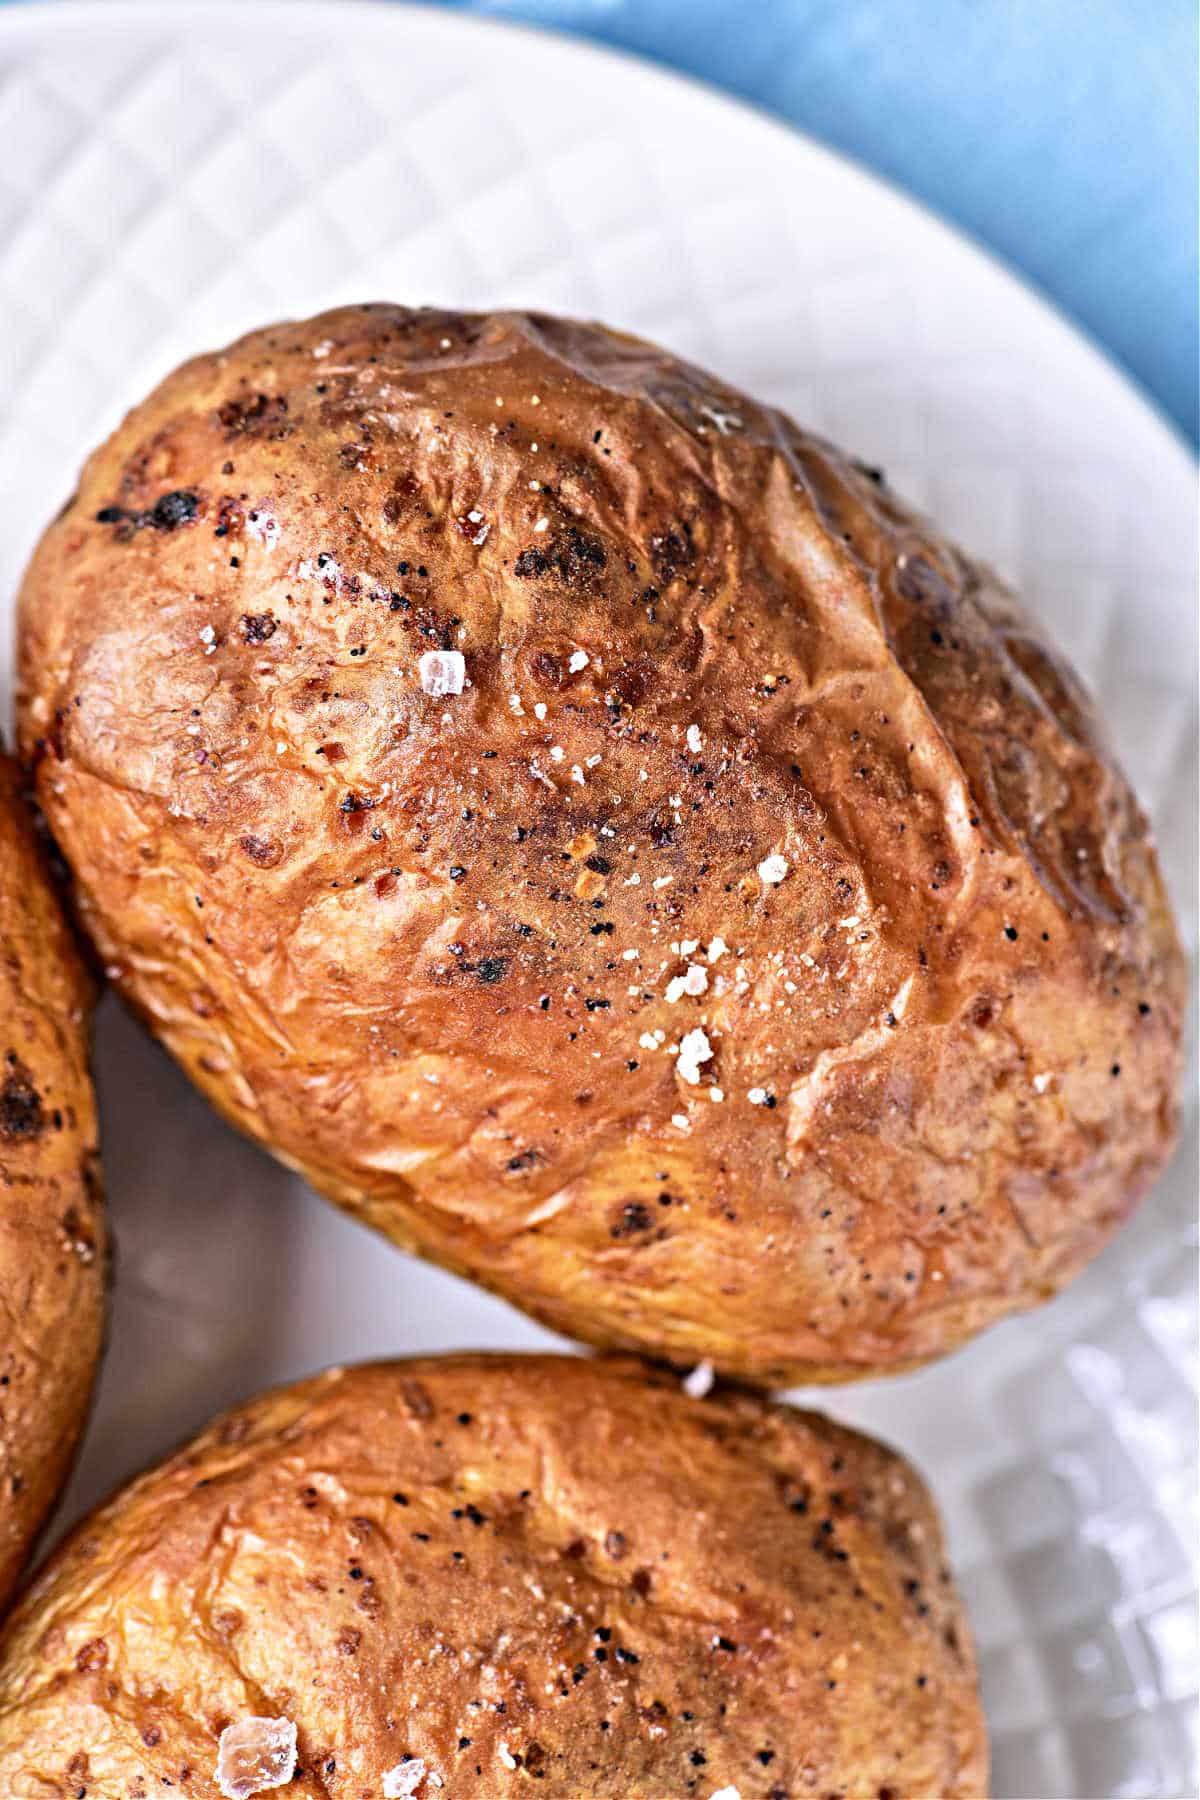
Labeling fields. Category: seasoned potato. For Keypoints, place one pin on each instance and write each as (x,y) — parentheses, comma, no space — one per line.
(457,1576)
(53,1245)
(603,839)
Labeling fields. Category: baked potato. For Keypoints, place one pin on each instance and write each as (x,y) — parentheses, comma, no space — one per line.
(53,1244)
(604,839)
(456,1576)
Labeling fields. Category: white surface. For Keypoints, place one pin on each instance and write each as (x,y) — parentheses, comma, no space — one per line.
(175,175)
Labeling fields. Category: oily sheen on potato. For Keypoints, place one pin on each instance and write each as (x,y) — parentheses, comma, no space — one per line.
(604,839)
(474,1577)
(53,1244)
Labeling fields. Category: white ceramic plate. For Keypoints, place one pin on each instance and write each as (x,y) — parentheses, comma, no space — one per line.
(172,176)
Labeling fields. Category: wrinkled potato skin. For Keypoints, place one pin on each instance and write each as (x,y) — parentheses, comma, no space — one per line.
(608,1529)
(53,1244)
(386,932)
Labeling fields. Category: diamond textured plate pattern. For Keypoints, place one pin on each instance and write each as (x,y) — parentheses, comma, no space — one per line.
(173,176)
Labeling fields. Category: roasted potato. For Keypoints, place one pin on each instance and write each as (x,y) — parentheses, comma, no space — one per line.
(603,839)
(53,1244)
(456,1576)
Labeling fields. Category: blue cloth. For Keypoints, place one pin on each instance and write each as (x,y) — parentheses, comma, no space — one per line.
(1061,134)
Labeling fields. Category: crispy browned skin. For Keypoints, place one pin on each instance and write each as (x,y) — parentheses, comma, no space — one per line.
(53,1244)
(569,1564)
(416,945)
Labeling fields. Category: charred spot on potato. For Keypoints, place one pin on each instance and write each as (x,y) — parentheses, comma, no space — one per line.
(489,969)
(173,509)
(354,809)
(630,1219)
(21,1113)
(265,852)
(253,415)
(571,557)
(179,507)
(523,1161)
(258,627)
(672,553)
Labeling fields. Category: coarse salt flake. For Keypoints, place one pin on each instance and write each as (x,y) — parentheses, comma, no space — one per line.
(443,672)
(700,1381)
(717,949)
(579,660)
(695,740)
(757,1096)
(772,869)
(693,982)
(254,1755)
(542,525)
(680,1121)
(404,1780)
(726,1793)
(694,1049)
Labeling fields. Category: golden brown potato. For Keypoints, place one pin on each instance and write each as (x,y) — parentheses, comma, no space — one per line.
(53,1245)
(759,959)
(473,1571)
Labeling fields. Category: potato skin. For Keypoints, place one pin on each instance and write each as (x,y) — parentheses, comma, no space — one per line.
(470,1557)
(53,1241)
(390,934)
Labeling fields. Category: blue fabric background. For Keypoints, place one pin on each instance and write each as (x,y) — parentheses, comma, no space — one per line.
(1061,134)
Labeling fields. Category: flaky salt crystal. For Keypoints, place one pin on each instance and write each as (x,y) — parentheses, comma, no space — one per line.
(698,1383)
(772,868)
(693,982)
(443,672)
(694,1049)
(254,1755)
(405,1779)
